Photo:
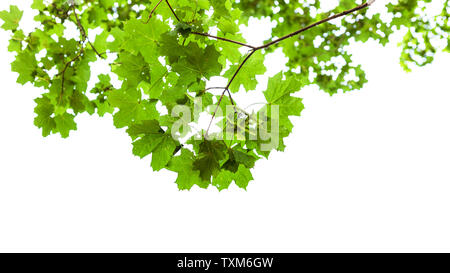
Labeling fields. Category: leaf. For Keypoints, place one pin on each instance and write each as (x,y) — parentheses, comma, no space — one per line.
(187,176)
(242,178)
(208,159)
(24,64)
(198,63)
(44,119)
(64,124)
(131,107)
(133,69)
(12,18)
(153,140)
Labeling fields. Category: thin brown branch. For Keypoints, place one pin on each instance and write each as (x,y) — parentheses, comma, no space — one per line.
(95,50)
(83,32)
(63,73)
(223,39)
(240,67)
(362,6)
(80,26)
(173,12)
(215,112)
(151,12)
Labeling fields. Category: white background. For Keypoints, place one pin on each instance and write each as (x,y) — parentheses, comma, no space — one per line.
(363,171)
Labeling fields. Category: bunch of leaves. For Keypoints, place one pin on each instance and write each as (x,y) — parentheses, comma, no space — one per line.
(166,52)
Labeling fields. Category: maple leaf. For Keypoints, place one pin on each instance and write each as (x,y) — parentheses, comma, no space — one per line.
(209,157)
(44,119)
(152,140)
(187,176)
(24,64)
(64,124)
(12,18)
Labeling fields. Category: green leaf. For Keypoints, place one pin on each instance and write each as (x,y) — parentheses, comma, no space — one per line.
(131,107)
(12,18)
(242,178)
(153,140)
(132,69)
(64,124)
(44,119)
(209,157)
(24,64)
(187,176)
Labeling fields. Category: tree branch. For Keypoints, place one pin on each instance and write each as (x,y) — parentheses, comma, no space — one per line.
(151,12)
(215,112)
(83,33)
(63,72)
(223,39)
(362,6)
(173,12)
(240,67)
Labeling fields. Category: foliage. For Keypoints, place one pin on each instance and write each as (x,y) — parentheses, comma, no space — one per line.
(165,55)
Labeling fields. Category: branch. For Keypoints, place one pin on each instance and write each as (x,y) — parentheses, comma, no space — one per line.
(151,12)
(215,112)
(362,6)
(63,72)
(173,12)
(240,67)
(223,39)
(83,33)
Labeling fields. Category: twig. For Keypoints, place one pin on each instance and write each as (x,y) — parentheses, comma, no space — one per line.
(223,39)
(63,72)
(362,6)
(151,12)
(215,112)
(240,67)
(173,12)
(83,33)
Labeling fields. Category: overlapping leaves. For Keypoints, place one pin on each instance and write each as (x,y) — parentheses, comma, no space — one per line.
(162,64)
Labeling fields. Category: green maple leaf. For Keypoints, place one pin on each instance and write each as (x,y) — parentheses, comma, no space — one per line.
(142,37)
(64,124)
(44,118)
(12,18)
(187,176)
(278,94)
(198,63)
(24,64)
(238,156)
(209,157)
(224,178)
(131,107)
(152,140)
(221,8)
(131,68)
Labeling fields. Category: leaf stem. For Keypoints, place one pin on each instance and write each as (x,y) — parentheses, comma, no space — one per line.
(151,12)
